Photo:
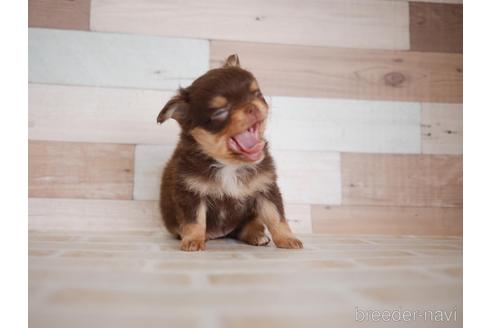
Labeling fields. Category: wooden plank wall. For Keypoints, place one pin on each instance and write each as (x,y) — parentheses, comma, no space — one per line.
(436,27)
(369,24)
(60,14)
(349,73)
(366,99)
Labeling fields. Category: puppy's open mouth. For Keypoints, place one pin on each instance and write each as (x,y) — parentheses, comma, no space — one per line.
(248,143)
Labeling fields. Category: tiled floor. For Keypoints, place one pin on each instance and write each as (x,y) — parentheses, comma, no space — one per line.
(141,279)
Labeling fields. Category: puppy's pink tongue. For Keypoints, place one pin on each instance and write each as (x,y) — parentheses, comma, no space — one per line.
(249,142)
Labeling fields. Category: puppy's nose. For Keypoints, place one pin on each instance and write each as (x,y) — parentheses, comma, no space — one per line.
(251,109)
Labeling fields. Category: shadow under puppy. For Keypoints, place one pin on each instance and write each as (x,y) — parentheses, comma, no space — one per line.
(221,179)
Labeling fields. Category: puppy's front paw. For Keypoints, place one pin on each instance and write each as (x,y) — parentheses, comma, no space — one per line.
(288,242)
(192,245)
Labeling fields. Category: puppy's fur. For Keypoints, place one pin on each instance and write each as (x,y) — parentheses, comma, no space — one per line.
(221,179)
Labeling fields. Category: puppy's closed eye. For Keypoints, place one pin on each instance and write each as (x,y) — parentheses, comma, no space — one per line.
(258,95)
(220,114)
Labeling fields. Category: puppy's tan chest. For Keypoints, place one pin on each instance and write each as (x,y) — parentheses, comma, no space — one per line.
(230,181)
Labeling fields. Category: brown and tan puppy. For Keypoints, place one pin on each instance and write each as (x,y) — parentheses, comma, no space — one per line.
(221,178)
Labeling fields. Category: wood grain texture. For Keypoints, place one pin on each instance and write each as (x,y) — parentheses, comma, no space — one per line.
(72,113)
(442,128)
(320,124)
(121,215)
(402,180)
(284,70)
(387,220)
(436,1)
(436,27)
(80,170)
(317,183)
(365,24)
(93,214)
(114,60)
(63,14)
(299,217)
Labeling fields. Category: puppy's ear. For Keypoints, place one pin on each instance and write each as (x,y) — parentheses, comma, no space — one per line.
(176,107)
(232,61)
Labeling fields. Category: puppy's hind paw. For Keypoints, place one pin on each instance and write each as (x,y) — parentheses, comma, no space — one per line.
(289,242)
(192,245)
(257,240)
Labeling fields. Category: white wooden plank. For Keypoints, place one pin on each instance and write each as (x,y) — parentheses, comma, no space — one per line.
(149,164)
(114,60)
(308,177)
(442,128)
(93,214)
(315,183)
(318,124)
(72,113)
(374,24)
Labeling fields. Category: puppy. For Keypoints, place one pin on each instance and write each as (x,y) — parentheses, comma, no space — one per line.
(221,180)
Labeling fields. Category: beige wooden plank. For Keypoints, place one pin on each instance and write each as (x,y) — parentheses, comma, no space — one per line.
(299,217)
(114,60)
(60,14)
(93,214)
(317,183)
(442,128)
(436,27)
(402,180)
(284,70)
(344,125)
(388,220)
(80,170)
(72,113)
(365,23)
(50,214)
(80,317)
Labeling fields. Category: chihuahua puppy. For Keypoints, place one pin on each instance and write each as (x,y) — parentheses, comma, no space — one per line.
(221,180)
